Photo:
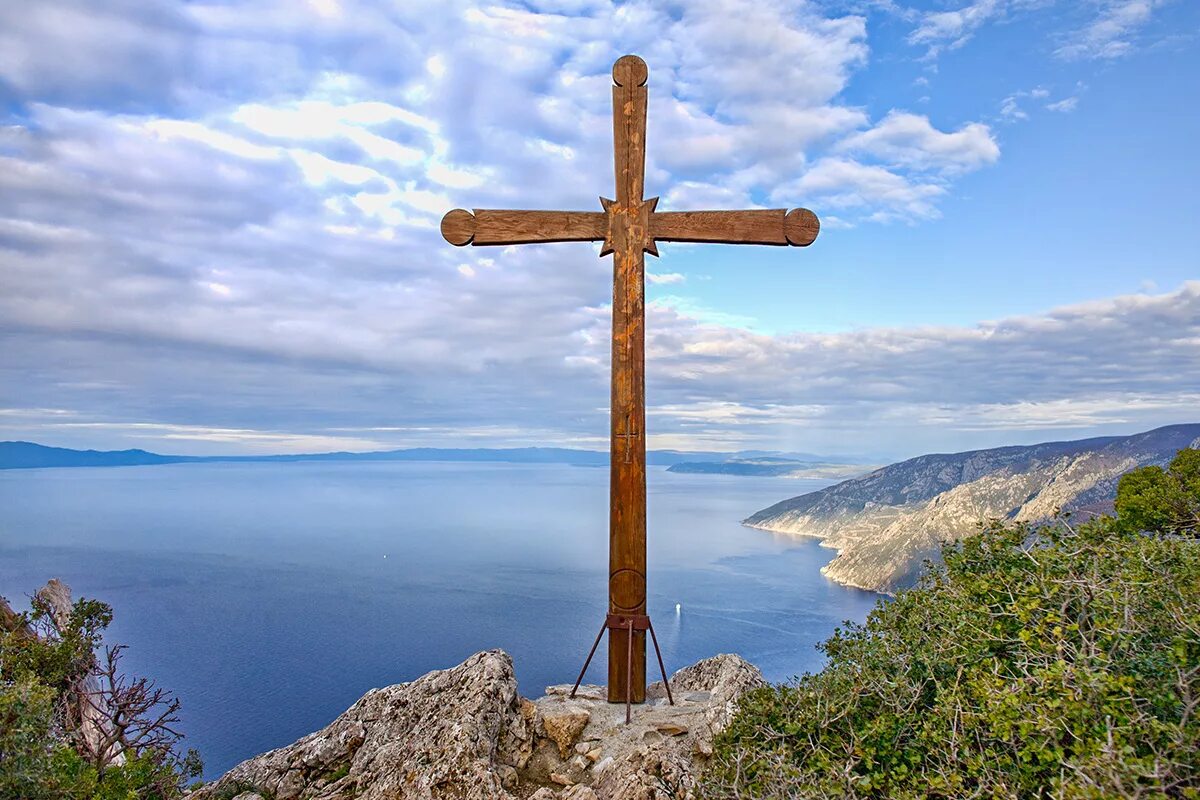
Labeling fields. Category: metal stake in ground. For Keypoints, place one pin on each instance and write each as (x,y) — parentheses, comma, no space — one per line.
(629,227)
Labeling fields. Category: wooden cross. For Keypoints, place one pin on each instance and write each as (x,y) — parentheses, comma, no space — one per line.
(629,227)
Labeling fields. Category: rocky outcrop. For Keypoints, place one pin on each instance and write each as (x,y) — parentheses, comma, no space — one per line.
(466,733)
(884,524)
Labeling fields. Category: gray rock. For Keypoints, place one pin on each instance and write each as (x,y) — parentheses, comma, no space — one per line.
(451,729)
(464,733)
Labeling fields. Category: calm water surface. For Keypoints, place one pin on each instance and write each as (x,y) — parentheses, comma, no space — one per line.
(269,597)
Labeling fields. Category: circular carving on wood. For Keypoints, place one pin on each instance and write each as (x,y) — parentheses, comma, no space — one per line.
(627,589)
(801,227)
(630,71)
(458,227)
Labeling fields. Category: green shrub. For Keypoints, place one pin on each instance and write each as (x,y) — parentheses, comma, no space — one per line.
(1064,664)
(1165,500)
(26,746)
(44,662)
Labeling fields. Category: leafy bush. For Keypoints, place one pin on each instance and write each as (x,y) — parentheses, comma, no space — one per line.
(71,726)
(1061,663)
(26,746)
(1154,499)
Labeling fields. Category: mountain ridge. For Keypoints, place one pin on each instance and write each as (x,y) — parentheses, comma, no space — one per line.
(885,523)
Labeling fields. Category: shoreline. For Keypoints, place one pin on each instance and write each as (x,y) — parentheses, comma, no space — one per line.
(821,540)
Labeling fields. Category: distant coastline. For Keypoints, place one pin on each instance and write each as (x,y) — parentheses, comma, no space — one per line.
(30,455)
(774,467)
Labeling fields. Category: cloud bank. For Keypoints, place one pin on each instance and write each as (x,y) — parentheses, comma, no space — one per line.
(218,230)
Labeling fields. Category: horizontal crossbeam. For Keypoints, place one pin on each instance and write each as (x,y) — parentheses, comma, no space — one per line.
(776,226)
(489,226)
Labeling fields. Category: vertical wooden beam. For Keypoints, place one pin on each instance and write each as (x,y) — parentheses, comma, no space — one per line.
(628,223)
(629,227)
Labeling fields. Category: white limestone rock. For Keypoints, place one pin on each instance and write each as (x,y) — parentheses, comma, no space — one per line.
(466,733)
(448,730)
(884,525)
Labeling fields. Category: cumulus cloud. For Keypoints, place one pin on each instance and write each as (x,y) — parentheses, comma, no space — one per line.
(218,223)
(843,183)
(909,140)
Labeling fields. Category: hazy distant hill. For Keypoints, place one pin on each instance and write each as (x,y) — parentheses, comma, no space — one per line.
(773,466)
(885,523)
(25,455)
(17,455)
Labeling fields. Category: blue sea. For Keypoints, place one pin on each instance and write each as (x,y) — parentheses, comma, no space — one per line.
(269,597)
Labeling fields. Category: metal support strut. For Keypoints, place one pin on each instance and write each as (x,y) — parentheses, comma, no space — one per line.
(627,624)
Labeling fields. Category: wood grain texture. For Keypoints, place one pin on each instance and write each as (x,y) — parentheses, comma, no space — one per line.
(629,140)
(458,227)
(775,226)
(630,71)
(729,227)
(498,227)
(802,227)
(627,237)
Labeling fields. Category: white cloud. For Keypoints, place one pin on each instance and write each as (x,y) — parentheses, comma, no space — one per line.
(1065,106)
(841,183)
(319,170)
(198,132)
(1111,34)
(909,140)
(952,29)
(663,278)
(1010,110)
(1110,31)
(1011,107)
(213,223)
(239,439)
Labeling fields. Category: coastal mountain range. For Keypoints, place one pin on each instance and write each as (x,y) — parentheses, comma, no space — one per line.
(886,523)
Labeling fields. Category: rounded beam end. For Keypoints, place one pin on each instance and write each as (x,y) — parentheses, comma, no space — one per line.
(630,71)
(801,227)
(627,588)
(458,227)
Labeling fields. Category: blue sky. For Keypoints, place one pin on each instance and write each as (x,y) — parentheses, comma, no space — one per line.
(218,222)
(1037,227)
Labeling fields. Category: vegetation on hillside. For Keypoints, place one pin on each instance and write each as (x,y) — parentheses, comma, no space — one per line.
(1057,662)
(1163,500)
(72,725)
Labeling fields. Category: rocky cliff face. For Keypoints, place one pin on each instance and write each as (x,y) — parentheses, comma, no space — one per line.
(466,733)
(886,523)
